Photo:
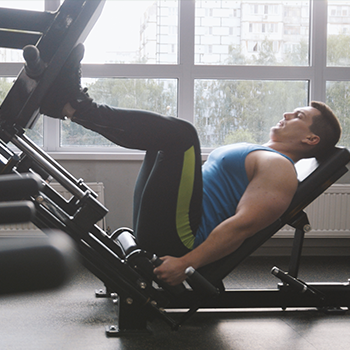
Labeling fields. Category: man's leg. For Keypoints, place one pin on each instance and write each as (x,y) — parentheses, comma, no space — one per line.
(132,128)
(168,192)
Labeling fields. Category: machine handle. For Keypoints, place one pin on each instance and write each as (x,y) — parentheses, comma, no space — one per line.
(299,286)
(175,289)
(283,276)
(197,282)
(156,261)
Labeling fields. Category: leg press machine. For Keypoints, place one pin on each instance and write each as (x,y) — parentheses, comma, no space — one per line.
(47,38)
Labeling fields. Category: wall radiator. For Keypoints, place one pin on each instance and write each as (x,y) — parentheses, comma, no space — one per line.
(28,229)
(329,215)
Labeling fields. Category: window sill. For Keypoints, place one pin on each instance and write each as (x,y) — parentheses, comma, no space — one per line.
(131,156)
(99,156)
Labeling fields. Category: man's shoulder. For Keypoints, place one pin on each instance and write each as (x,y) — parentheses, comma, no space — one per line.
(263,156)
(269,164)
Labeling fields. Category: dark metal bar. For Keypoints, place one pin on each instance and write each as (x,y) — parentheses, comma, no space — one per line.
(24,20)
(48,159)
(301,225)
(337,294)
(53,171)
(15,40)
(294,262)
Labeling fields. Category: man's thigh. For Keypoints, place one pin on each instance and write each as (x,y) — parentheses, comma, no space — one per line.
(169,207)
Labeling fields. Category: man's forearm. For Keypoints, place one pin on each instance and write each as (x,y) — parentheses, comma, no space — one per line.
(223,240)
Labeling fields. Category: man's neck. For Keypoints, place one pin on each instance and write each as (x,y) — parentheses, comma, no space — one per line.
(284,149)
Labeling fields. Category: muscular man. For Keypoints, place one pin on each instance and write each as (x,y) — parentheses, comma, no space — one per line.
(188,214)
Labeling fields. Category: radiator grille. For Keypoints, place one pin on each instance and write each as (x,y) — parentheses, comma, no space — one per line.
(28,229)
(329,215)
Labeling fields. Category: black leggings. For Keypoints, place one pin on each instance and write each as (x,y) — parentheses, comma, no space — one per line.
(168,192)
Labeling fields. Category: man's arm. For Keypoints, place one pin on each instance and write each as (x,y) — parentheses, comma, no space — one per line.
(271,188)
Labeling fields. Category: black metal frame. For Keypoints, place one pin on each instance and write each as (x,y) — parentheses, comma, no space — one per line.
(115,259)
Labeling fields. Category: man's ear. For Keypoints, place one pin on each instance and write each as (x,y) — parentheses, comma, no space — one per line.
(312,140)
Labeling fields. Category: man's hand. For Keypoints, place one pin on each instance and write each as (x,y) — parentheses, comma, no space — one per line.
(172,270)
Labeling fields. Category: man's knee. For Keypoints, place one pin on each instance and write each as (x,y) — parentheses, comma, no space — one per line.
(187,131)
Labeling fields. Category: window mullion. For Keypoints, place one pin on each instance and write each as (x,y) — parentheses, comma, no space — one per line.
(51,137)
(186,59)
(10,69)
(51,126)
(52,5)
(318,49)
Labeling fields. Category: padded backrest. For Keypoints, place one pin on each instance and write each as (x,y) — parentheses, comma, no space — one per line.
(326,173)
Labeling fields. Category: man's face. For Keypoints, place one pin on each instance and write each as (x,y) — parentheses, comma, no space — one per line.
(295,125)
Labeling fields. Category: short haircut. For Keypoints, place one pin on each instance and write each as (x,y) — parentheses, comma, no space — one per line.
(325,125)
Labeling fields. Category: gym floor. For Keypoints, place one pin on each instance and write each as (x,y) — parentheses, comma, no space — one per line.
(72,318)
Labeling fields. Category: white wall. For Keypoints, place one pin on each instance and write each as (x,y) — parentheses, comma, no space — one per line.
(118,178)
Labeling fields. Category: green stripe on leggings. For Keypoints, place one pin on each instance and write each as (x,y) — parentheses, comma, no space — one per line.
(184,199)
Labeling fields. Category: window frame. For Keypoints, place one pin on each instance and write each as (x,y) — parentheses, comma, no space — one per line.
(186,72)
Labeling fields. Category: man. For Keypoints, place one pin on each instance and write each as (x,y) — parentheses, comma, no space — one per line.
(189,215)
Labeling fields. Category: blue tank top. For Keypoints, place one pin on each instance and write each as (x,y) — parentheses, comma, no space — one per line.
(224,182)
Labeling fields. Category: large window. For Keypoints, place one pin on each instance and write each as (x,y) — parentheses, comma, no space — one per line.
(10,55)
(230,67)
(252,32)
(143,31)
(158,95)
(338,33)
(228,111)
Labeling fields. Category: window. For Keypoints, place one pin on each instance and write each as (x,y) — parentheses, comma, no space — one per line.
(137,30)
(254,24)
(260,60)
(37,5)
(338,36)
(10,55)
(36,133)
(158,95)
(338,98)
(228,111)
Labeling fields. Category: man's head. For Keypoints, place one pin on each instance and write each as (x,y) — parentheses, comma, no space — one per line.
(306,132)
(325,125)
